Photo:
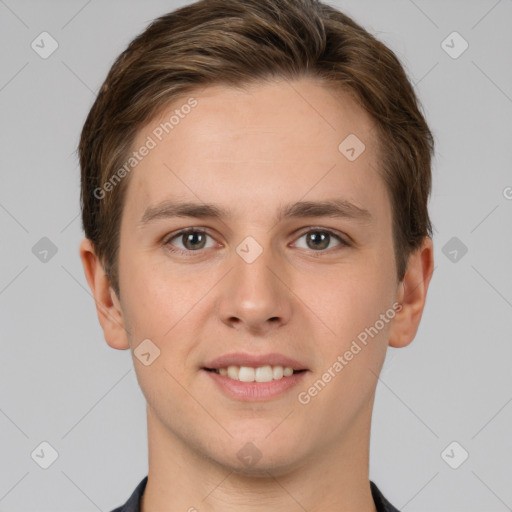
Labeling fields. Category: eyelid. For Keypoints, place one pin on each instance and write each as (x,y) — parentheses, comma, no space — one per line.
(342,238)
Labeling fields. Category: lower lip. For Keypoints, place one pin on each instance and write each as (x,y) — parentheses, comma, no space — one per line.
(255,391)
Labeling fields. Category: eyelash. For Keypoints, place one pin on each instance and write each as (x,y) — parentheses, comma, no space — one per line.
(189,253)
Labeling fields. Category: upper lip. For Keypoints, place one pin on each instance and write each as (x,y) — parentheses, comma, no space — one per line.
(253,360)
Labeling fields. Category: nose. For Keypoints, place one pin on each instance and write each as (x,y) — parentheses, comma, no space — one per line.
(254,295)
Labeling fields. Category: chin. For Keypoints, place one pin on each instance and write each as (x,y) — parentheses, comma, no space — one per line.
(259,453)
(269,465)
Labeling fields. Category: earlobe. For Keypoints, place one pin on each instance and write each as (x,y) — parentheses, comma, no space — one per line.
(108,307)
(412,295)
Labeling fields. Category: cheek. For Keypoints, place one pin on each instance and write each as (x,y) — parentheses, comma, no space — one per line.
(149,302)
(352,309)
(163,303)
(350,298)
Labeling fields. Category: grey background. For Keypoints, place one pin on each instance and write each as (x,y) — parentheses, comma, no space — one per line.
(61,383)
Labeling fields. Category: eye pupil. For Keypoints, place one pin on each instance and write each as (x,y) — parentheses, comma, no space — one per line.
(323,239)
(193,238)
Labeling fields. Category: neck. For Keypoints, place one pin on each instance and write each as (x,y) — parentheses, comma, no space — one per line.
(335,478)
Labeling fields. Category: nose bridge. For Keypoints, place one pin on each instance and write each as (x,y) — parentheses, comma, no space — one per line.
(253,279)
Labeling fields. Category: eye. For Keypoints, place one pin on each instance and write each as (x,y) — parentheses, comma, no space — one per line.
(192,240)
(318,239)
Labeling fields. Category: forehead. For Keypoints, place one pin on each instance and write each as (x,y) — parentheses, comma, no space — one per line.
(252,147)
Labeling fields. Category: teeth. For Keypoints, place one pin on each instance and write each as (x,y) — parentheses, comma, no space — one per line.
(277,372)
(246,374)
(233,372)
(260,374)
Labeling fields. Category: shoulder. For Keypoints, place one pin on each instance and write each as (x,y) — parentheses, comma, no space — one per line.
(381,503)
(133,502)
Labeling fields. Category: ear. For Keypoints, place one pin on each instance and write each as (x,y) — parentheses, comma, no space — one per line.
(413,295)
(108,306)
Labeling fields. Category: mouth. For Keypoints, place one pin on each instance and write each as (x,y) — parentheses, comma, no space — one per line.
(254,377)
(248,384)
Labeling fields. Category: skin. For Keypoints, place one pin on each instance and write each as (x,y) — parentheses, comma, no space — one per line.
(251,151)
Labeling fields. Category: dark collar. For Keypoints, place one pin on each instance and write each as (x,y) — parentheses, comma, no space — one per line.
(133,503)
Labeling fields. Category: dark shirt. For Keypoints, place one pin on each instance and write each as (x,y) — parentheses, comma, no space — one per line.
(133,503)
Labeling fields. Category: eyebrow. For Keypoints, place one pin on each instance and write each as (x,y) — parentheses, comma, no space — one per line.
(337,208)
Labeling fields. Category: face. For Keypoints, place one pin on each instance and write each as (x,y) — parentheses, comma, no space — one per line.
(259,279)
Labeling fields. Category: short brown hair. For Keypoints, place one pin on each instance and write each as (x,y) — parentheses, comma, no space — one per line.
(238,42)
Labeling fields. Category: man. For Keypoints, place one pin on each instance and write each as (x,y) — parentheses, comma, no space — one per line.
(255,178)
